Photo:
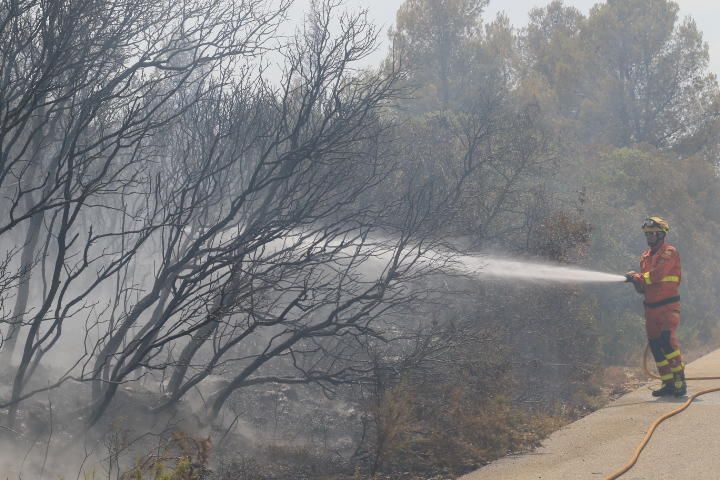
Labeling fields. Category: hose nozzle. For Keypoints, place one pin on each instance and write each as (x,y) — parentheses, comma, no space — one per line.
(628,278)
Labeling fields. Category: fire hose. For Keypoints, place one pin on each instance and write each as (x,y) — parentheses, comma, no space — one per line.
(630,463)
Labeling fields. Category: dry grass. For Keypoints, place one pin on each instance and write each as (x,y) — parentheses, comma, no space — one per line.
(456,434)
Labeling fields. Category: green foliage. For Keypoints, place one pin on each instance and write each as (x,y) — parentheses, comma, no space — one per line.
(629,90)
(431,36)
(685,190)
(555,60)
(629,73)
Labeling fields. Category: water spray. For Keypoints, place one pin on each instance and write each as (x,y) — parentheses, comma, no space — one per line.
(481,266)
(497,267)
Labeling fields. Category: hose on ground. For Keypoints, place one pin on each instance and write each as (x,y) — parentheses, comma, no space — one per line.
(621,471)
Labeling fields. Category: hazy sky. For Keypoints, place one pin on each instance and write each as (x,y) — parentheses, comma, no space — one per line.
(382,12)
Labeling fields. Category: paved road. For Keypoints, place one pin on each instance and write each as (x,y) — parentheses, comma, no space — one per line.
(686,446)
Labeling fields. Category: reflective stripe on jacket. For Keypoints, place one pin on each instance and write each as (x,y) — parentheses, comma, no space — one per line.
(661,273)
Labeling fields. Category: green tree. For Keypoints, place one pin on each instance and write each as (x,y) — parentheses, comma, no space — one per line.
(555,62)
(431,36)
(650,69)
(631,72)
(642,181)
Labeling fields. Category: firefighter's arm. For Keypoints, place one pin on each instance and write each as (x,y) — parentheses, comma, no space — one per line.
(668,259)
(637,281)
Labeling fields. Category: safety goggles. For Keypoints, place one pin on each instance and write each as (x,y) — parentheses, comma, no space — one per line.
(650,226)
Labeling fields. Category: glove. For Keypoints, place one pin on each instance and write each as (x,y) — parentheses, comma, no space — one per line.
(636,279)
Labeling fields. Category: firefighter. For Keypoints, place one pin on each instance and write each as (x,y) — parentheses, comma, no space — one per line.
(659,282)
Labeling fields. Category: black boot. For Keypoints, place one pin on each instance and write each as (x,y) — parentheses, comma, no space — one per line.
(667,389)
(680,385)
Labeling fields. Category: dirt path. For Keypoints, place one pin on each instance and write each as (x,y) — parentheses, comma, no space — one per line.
(685,446)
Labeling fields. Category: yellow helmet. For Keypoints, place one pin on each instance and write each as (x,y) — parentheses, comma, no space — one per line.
(655,224)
